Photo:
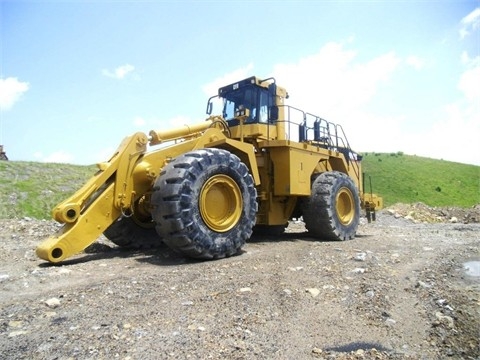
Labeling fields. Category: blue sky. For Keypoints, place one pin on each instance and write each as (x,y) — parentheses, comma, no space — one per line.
(77,77)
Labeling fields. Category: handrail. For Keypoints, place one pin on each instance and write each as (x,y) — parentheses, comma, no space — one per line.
(326,134)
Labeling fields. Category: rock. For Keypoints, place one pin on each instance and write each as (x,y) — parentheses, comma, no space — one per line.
(15,324)
(390,322)
(359,270)
(360,256)
(17,333)
(64,271)
(313,291)
(453,219)
(53,303)
(423,285)
(442,302)
(298,268)
(444,320)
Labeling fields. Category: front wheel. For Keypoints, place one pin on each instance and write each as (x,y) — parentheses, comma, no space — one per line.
(332,211)
(204,204)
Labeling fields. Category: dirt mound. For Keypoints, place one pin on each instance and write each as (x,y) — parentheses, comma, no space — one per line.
(421,213)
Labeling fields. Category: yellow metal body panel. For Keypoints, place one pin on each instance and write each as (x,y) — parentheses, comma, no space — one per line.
(292,168)
(256,131)
(373,201)
(120,164)
(293,165)
(158,137)
(74,237)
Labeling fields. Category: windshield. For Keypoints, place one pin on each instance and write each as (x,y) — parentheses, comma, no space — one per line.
(253,98)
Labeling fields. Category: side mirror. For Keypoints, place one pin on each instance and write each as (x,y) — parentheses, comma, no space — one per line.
(209,107)
(273,113)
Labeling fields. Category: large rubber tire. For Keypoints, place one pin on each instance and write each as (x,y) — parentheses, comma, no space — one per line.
(204,204)
(128,233)
(332,212)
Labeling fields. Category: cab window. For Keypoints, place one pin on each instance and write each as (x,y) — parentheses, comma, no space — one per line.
(252,98)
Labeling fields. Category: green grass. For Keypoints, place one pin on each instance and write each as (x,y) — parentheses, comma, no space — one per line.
(410,179)
(33,189)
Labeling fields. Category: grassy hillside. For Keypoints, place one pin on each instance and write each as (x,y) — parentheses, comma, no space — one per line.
(409,179)
(33,189)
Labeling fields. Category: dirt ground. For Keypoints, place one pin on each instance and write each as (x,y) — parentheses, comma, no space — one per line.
(402,289)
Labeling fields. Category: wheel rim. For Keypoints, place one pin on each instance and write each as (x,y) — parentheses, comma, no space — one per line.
(221,203)
(344,205)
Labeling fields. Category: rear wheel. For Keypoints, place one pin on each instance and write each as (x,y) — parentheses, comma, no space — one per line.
(333,209)
(204,204)
(136,231)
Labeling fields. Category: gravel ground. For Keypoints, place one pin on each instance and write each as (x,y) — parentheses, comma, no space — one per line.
(400,290)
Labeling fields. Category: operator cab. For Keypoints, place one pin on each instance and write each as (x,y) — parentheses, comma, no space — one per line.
(249,99)
(246,98)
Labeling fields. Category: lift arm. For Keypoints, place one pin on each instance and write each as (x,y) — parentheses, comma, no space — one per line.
(88,212)
(124,179)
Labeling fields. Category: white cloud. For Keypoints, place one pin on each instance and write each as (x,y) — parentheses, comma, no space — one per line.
(212,87)
(55,157)
(335,85)
(469,83)
(10,92)
(319,79)
(332,83)
(470,23)
(88,158)
(454,136)
(139,122)
(415,62)
(119,72)
(465,59)
(104,154)
(177,122)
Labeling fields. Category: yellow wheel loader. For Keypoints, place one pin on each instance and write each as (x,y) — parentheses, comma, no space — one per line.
(209,186)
